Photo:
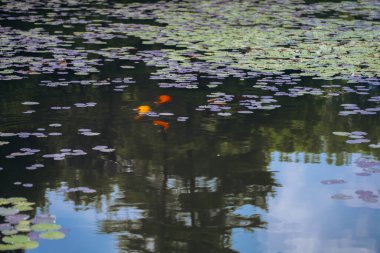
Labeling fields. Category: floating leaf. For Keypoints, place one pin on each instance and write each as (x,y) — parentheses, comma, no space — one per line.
(10,232)
(30,103)
(16,200)
(4,202)
(5,211)
(45,227)
(4,143)
(342,197)
(23,228)
(15,239)
(341,133)
(52,235)
(333,181)
(8,247)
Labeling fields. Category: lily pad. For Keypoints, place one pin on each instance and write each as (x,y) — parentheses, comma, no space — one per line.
(342,133)
(4,202)
(14,239)
(10,232)
(5,211)
(52,235)
(333,181)
(341,197)
(8,247)
(45,227)
(23,228)
(16,200)
(30,245)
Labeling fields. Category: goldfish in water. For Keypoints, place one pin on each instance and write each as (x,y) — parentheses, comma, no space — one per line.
(163,124)
(163,99)
(143,109)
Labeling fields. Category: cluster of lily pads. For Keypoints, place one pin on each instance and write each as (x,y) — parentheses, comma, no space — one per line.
(23,152)
(268,36)
(221,104)
(355,137)
(369,167)
(104,149)
(244,40)
(65,152)
(19,230)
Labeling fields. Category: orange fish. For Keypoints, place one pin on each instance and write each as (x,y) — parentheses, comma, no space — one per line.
(163,124)
(163,99)
(143,109)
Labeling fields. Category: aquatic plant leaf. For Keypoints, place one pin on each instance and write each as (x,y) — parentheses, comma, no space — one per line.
(16,200)
(333,181)
(374,145)
(30,103)
(23,228)
(9,247)
(5,226)
(367,196)
(45,227)
(2,143)
(23,207)
(52,235)
(5,211)
(43,218)
(15,239)
(342,197)
(4,202)
(10,232)
(30,245)
(341,133)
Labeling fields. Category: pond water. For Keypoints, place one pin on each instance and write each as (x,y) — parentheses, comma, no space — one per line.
(189,126)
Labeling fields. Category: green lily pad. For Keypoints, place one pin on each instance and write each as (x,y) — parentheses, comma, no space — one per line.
(4,211)
(9,232)
(45,227)
(52,235)
(22,207)
(30,245)
(23,228)
(341,133)
(7,247)
(4,202)
(16,239)
(16,246)
(16,200)
(24,223)
(4,143)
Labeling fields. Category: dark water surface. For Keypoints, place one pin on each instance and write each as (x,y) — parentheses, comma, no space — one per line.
(269,181)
